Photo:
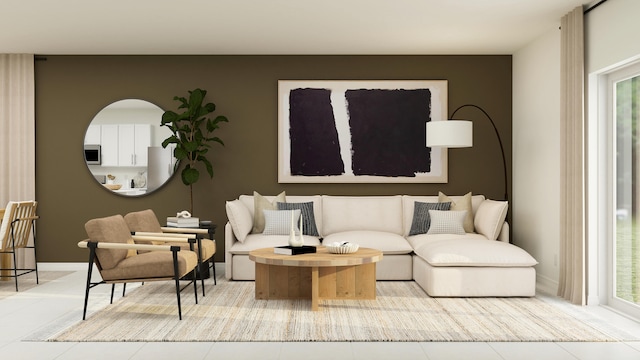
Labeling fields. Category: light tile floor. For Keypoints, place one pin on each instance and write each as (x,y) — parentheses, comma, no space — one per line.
(41,306)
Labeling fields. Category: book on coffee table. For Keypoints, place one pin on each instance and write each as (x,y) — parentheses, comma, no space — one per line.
(294,250)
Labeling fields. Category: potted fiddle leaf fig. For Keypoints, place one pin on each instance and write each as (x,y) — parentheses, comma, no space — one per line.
(192,135)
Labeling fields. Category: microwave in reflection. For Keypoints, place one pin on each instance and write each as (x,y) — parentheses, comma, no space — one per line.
(92,154)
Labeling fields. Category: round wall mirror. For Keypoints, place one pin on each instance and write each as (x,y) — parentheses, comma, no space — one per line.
(123,148)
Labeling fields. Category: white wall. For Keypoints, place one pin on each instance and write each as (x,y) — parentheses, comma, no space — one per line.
(536,151)
(611,34)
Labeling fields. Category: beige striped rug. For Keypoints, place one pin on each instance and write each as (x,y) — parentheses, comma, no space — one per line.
(401,312)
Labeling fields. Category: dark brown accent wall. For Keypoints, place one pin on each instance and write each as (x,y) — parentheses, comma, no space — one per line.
(70,90)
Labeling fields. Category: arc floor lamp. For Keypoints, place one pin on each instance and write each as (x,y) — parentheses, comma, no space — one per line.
(459,133)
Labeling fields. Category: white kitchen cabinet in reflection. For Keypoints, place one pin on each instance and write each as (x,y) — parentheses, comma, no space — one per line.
(134,139)
(125,144)
(109,144)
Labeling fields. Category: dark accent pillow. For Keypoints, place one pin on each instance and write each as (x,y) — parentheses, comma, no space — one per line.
(308,218)
(421,219)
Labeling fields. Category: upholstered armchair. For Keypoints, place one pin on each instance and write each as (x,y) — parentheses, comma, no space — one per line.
(120,259)
(18,224)
(146,222)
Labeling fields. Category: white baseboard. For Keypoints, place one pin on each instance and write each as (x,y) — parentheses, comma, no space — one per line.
(546,285)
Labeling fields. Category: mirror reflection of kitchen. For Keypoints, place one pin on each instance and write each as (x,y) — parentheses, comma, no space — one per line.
(123,148)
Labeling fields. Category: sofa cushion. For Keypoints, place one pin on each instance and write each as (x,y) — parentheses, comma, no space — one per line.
(278,222)
(262,203)
(490,218)
(240,219)
(388,243)
(348,213)
(447,222)
(308,217)
(421,219)
(461,203)
(473,252)
(259,241)
(417,241)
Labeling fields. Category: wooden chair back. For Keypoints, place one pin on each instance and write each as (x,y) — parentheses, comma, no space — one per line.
(17,223)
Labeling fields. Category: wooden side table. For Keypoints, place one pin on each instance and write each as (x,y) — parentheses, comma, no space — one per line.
(317,276)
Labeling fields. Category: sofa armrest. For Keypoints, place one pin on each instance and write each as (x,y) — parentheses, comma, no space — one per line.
(504,233)
(229,240)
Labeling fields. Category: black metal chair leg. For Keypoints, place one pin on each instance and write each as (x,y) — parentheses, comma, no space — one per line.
(215,281)
(15,267)
(199,267)
(92,251)
(124,288)
(35,257)
(113,287)
(195,285)
(176,273)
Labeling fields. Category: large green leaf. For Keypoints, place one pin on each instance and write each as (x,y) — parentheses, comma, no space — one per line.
(190,175)
(195,101)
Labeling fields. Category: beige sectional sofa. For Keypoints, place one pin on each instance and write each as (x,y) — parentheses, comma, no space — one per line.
(476,261)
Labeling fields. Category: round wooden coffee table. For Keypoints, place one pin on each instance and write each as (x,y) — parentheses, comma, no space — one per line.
(318,276)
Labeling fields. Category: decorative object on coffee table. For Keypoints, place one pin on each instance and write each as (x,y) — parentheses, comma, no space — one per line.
(342,248)
(293,240)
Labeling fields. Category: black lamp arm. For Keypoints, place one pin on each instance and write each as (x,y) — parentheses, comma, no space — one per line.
(495,129)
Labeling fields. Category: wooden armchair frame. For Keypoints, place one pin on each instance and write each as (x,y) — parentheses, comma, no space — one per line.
(15,234)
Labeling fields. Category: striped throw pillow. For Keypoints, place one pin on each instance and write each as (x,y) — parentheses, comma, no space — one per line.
(308,218)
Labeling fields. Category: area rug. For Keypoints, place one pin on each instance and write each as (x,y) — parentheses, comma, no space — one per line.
(401,312)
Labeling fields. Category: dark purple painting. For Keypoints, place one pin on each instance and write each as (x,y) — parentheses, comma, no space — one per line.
(388,131)
(315,150)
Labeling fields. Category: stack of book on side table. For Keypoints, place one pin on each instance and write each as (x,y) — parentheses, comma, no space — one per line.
(294,250)
(192,222)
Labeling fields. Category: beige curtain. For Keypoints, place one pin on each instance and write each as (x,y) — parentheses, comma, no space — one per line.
(572,204)
(17,133)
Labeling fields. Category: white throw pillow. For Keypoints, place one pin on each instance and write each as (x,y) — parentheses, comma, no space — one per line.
(278,222)
(490,218)
(447,222)
(261,203)
(239,218)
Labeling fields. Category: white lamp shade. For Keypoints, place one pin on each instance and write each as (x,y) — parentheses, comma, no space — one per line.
(450,133)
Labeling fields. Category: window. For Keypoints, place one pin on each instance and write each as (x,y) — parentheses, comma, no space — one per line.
(622,217)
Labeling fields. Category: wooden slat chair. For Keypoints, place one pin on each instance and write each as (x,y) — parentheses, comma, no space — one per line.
(146,222)
(115,253)
(18,224)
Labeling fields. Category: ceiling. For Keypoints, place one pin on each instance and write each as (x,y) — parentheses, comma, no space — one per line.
(283,27)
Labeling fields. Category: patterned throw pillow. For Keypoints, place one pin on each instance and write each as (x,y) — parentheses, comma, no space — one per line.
(278,222)
(421,219)
(447,222)
(308,218)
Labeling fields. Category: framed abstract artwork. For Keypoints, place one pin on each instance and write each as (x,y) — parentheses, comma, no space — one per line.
(348,131)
